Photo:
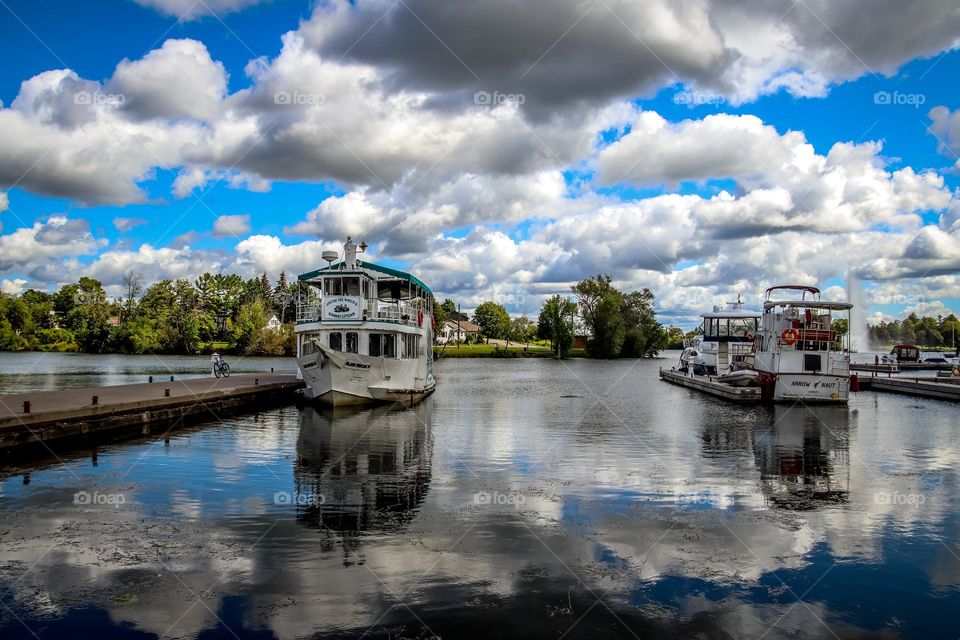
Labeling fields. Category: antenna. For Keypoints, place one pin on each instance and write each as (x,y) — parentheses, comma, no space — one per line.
(738,304)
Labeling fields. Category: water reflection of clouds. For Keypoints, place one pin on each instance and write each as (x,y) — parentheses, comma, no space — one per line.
(706,502)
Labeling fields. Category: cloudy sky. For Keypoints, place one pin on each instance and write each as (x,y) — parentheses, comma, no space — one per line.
(499,149)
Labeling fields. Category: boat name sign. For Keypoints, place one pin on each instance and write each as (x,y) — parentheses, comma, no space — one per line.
(342,308)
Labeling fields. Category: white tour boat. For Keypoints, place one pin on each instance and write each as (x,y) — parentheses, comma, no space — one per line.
(796,352)
(722,346)
(364,332)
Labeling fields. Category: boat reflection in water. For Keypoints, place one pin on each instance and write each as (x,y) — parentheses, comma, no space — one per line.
(362,470)
(804,458)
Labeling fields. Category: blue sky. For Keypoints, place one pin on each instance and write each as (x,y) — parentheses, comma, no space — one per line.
(593,170)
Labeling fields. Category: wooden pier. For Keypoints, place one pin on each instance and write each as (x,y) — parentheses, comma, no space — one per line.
(46,419)
(707,384)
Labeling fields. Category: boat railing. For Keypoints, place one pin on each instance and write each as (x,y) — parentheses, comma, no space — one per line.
(397,313)
(307,313)
(309,306)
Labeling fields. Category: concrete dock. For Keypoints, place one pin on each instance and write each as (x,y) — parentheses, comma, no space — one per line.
(46,419)
(707,384)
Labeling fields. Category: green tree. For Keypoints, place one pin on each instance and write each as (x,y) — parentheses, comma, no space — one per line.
(251,318)
(620,325)
(644,337)
(87,314)
(493,320)
(589,293)
(40,304)
(607,327)
(133,283)
(675,338)
(555,323)
(522,329)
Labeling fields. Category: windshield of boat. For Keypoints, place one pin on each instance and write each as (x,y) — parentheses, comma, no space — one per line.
(729,327)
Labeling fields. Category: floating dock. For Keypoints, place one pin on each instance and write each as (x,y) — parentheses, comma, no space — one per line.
(874,368)
(939,388)
(903,366)
(47,419)
(709,385)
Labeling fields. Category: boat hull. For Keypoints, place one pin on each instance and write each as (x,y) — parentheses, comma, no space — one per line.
(337,379)
(811,387)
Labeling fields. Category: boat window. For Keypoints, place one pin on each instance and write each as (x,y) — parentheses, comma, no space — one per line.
(336,341)
(408,346)
(333,286)
(351,286)
(383,344)
(308,347)
(353,342)
(743,326)
(390,289)
(811,362)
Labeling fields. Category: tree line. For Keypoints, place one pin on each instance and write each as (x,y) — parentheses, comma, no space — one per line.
(924,331)
(214,312)
(615,324)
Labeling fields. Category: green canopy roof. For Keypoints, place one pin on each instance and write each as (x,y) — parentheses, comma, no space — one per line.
(310,275)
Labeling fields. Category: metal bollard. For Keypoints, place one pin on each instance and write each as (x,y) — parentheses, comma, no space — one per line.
(166,393)
(26,406)
(95,400)
(171,378)
(271,369)
(256,381)
(150,380)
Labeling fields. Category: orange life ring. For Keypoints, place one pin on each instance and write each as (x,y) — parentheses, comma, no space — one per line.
(790,336)
(420,317)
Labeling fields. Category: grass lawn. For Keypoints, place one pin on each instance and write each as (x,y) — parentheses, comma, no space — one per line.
(487,351)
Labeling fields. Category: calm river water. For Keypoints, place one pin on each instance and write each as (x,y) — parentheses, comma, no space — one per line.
(526,498)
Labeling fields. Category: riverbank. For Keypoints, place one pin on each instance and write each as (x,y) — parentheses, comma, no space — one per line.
(498,351)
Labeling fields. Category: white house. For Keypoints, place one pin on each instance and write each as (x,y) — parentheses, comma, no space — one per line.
(450,332)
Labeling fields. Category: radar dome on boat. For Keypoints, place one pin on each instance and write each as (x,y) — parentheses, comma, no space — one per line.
(329,256)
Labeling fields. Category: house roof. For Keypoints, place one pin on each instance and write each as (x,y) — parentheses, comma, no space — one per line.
(465,325)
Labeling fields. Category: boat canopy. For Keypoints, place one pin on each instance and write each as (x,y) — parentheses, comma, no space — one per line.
(387,278)
(731,313)
(808,304)
(814,291)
